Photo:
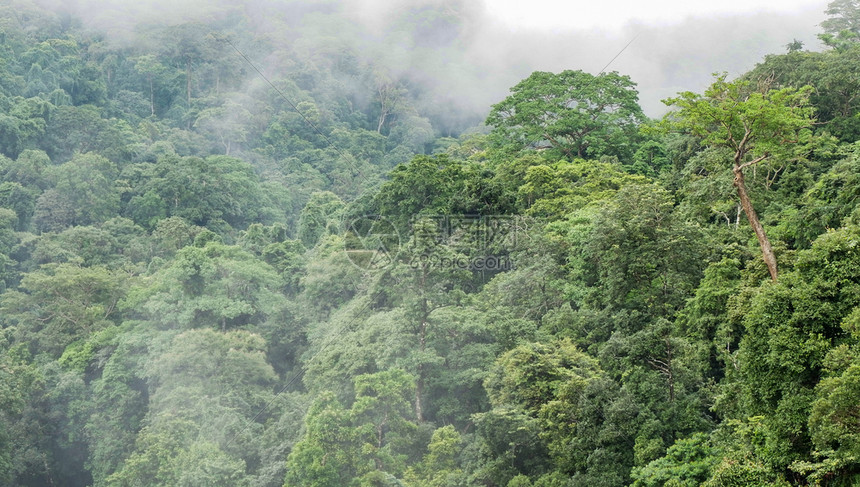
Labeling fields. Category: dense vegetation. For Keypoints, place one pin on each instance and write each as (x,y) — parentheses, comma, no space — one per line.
(312,276)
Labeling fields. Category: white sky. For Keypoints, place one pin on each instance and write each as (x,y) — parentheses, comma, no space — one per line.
(615,14)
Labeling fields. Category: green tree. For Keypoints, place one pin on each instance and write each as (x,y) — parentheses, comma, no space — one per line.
(324,456)
(20,380)
(331,279)
(287,257)
(84,245)
(187,46)
(211,285)
(360,446)
(202,191)
(22,202)
(555,411)
(650,159)
(149,66)
(833,419)
(754,125)
(833,73)
(29,170)
(439,466)
(86,187)
(575,113)
(830,201)
(321,214)
(206,390)
(791,329)
(844,15)
(8,270)
(426,278)
(425,185)
(81,129)
(687,463)
(120,397)
(415,323)
(554,190)
(61,303)
(641,257)
(23,123)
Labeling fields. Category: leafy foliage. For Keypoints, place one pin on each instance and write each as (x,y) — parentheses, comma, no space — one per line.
(564,298)
(573,112)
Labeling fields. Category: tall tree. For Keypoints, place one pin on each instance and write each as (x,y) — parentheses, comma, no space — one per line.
(149,66)
(188,45)
(755,124)
(576,113)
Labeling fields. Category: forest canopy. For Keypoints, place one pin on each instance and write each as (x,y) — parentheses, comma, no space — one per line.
(237,259)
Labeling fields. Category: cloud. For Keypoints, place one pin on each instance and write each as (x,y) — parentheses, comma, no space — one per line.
(460,58)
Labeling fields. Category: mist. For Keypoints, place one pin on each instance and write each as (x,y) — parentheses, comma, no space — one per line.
(459,59)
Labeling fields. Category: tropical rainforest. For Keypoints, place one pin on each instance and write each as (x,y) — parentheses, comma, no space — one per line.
(235,259)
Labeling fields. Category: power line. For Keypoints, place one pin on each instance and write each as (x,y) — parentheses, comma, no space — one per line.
(619,53)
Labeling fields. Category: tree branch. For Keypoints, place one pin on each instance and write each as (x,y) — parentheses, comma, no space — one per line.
(752,162)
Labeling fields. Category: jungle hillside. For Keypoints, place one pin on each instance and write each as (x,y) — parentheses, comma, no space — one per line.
(257,250)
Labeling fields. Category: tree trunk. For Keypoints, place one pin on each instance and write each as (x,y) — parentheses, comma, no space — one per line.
(419,389)
(188,81)
(382,116)
(766,249)
(738,217)
(422,346)
(419,382)
(151,97)
(188,91)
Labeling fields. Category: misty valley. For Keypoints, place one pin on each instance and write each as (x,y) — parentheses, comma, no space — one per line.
(317,244)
